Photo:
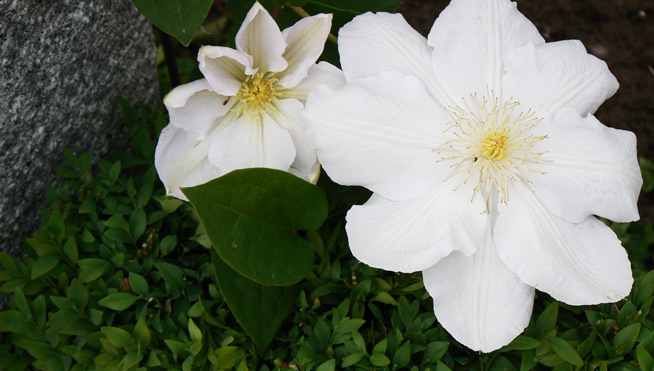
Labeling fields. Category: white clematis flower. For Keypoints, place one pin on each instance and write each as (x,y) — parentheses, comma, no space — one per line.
(246,111)
(486,163)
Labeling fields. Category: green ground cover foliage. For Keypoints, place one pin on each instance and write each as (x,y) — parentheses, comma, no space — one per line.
(120,277)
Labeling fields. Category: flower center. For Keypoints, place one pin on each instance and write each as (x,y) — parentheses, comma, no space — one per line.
(257,95)
(491,145)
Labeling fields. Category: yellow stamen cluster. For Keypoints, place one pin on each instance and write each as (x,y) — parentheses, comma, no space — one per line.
(257,95)
(492,145)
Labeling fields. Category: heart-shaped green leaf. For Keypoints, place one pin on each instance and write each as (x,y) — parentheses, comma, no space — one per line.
(179,18)
(252,217)
(259,309)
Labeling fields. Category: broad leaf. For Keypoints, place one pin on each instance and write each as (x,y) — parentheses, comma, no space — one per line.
(179,18)
(253,216)
(259,309)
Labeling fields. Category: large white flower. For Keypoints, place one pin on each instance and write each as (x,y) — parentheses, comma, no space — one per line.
(246,111)
(486,163)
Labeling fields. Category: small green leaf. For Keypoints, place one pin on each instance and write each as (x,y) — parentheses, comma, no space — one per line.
(70,249)
(259,309)
(117,336)
(37,349)
(141,332)
(21,303)
(118,301)
(138,284)
(131,359)
(39,310)
(523,342)
(13,321)
(179,18)
(77,294)
(565,351)
(402,356)
(327,366)
(626,338)
(91,269)
(194,331)
(380,360)
(380,347)
(137,222)
(252,217)
(44,265)
(351,359)
(172,274)
(175,346)
(547,320)
(645,360)
(349,325)
(227,357)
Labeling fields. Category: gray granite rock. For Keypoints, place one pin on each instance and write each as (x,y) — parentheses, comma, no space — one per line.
(62,65)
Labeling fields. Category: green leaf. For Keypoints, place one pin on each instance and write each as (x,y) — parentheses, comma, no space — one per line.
(37,349)
(91,269)
(626,338)
(402,356)
(194,331)
(227,357)
(179,18)
(117,336)
(118,301)
(565,351)
(138,284)
(547,320)
(351,359)
(259,309)
(141,332)
(349,325)
(77,294)
(172,274)
(44,265)
(645,360)
(70,249)
(523,342)
(252,217)
(380,360)
(13,321)
(137,222)
(327,366)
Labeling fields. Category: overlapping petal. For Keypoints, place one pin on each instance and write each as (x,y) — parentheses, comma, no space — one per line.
(322,73)
(195,108)
(224,68)
(478,300)
(306,41)
(260,37)
(589,169)
(375,43)
(245,144)
(565,74)
(287,116)
(379,132)
(413,235)
(182,161)
(470,41)
(577,264)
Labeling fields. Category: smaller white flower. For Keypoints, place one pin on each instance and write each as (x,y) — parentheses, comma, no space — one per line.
(246,111)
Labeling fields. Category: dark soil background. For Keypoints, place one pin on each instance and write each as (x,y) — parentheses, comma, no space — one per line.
(621,32)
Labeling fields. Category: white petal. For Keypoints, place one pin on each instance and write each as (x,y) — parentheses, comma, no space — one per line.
(560,74)
(379,132)
(321,73)
(182,161)
(287,116)
(246,144)
(306,41)
(471,39)
(412,235)
(593,169)
(224,68)
(260,37)
(195,108)
(578,264)
(478,300)
(374,43)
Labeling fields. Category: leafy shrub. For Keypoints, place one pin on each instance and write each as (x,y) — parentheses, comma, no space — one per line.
(120,277)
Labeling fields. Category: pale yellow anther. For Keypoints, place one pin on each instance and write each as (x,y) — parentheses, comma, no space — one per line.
(494,146)
(257,95)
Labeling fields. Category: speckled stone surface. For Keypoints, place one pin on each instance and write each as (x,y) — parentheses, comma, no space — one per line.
(62,65)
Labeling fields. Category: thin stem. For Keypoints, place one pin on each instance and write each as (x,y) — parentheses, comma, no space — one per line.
(302,13)
(171,64)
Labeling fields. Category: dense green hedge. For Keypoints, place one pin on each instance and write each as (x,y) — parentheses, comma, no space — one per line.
(120,277)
